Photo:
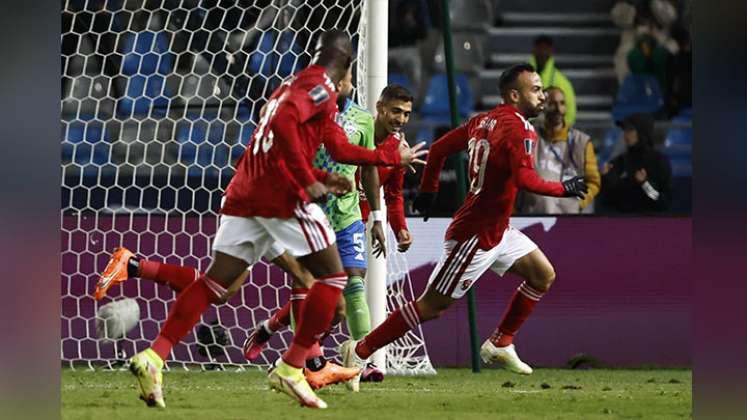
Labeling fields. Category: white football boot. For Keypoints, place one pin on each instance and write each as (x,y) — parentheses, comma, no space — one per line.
(504,355)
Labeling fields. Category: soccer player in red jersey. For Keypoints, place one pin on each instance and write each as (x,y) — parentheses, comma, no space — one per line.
(393,111)
(500,144)
(270,199)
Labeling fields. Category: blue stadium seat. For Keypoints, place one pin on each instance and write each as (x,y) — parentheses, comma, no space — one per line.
(400,79)
(611,139)
(638,93)
(202,147)
(269,59)
(436,104)
(679,141)
(148,61)
(86,144)
(682,166)
(424,134)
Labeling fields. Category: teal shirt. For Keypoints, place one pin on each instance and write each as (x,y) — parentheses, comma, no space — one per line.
(358,124)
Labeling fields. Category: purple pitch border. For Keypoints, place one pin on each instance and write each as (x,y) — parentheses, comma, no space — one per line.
(622,292)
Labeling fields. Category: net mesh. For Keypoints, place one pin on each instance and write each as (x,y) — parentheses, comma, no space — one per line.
(159,99)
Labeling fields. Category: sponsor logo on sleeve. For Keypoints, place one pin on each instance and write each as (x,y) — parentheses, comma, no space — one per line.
(318,94)
(528,146)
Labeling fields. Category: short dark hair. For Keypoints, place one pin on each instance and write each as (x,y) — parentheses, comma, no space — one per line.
(334,46)
(508,78)
(543,40)
(396,92)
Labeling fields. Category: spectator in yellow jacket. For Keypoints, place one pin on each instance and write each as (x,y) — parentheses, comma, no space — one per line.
(562,152)
(543,61)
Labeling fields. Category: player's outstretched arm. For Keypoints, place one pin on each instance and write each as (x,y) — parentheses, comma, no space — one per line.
(522,165)
(342,151)
(450,143)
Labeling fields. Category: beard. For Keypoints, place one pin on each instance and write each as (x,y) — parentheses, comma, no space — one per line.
(553,117)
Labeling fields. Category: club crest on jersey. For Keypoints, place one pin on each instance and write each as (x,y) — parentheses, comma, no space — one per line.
(318,94)
(528,146)
(466,284)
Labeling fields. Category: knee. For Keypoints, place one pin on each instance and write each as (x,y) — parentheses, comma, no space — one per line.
(544,278)
(430,308)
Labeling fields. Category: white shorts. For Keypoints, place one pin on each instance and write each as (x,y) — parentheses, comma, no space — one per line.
(462,263)
(250,238)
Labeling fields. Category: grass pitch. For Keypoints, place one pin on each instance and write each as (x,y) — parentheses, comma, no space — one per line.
(452,394)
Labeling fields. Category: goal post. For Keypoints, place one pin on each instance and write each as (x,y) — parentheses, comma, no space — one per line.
(376,60)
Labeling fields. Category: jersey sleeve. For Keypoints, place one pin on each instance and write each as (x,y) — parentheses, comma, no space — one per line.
(451,142)
(521,145)
(342,151)
(395,202)
(317,100)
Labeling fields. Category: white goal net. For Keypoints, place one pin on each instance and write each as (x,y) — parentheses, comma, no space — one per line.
(159,99)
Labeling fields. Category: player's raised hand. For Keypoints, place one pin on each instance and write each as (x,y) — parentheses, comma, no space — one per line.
(337,184)
(423,203)
(575,187)
(410,156)
(378,240)
(317,192)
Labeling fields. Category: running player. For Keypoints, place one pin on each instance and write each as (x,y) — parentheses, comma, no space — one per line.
(500,144)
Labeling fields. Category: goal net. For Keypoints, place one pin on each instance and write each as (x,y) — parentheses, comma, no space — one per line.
(159,99)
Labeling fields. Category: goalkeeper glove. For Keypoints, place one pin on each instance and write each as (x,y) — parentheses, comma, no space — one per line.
(575,187)
(423,203)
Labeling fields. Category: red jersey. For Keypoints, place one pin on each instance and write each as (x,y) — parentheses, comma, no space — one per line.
(272,174)
(392,179)
(500,144)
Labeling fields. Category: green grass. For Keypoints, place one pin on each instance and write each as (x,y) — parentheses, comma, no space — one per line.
(452,394)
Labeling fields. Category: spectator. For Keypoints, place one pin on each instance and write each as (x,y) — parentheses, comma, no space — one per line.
(639,19)
(648,57)
(562,152)
(409,22)
(623,15)
(543,61)
(639,180)
(680,84)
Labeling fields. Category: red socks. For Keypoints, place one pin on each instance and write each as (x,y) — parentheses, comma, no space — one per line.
(316,315)
(185,313)
(397,324)
(279,319)
(175,276)
(522,304)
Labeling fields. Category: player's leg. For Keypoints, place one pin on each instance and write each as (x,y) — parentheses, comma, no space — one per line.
(351,247)
(238,243)
(301,279)
(461,263)
(311,240)
(124,265)
(351,244)
(520,256)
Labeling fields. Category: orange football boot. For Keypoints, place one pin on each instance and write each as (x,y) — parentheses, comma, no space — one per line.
(330,374)
(115,271)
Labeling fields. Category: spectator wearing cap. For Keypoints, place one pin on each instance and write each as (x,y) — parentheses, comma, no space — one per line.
(542,60)
(562,153)
(639,180)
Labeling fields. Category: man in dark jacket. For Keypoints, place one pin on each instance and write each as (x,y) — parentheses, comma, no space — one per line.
(639,180)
